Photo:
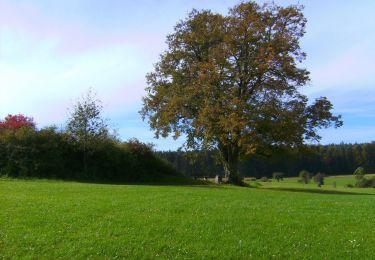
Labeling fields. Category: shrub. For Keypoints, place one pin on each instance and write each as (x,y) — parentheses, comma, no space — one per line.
(366,183)
(319,179)
(359,173)
(304,176)
(278,176)
(146,165)
(362,181)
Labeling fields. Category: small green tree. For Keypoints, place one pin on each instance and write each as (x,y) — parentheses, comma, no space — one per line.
(319,179)
(85,126)
(304,176)
(362,181)
(359,173)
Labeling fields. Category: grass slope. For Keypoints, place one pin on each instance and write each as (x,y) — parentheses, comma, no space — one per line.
(51,219)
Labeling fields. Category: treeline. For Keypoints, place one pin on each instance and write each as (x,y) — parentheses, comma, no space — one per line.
(330,159)
(85,149)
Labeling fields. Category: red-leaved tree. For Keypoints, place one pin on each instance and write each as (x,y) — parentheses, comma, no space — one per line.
(15,122)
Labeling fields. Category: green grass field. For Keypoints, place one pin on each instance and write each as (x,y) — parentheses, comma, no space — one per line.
(286,220)
(340,182)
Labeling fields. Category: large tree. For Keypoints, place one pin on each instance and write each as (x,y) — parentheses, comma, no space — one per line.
(232,83)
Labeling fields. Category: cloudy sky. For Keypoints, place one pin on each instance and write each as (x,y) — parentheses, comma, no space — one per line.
(51,52)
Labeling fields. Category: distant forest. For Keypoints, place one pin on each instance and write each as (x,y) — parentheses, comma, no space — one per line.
(329,159)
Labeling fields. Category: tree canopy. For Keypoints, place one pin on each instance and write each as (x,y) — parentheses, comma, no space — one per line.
(14,122)
(231,82)
(86,126)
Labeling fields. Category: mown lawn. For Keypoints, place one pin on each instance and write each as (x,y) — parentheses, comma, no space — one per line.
(52,219)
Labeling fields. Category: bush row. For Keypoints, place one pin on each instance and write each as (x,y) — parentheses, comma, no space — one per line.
(49,153)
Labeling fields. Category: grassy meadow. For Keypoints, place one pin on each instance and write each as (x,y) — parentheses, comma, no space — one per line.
(334,183)
(277,220)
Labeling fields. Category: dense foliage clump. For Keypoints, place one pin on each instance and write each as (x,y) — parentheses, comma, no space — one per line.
(304,176)
(319,179)
(361,180)
(14,122)
(359,173)
(50,153)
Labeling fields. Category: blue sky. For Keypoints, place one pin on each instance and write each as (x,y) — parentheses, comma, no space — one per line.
(51,52)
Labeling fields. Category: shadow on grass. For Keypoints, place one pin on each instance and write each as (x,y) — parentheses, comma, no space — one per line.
(186,183)
(160,182)
(182,182)
(169,181)
(318,191)
(166,181)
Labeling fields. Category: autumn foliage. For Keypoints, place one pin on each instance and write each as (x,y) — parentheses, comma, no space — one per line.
(232,83)
(15,122)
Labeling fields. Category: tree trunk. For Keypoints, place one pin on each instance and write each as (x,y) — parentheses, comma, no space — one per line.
(231,171)
(85,159)
(230,156)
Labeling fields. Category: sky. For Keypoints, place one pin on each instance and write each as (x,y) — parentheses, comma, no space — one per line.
(52,52)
